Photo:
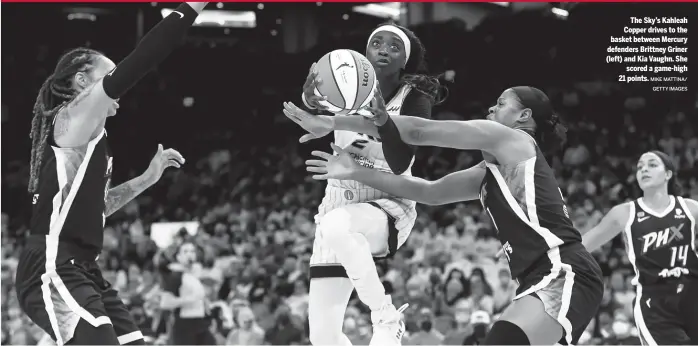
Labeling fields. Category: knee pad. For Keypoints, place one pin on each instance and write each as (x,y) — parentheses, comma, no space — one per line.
(506,333)
(335,226)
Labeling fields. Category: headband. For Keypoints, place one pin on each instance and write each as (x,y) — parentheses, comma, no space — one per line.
(401,34)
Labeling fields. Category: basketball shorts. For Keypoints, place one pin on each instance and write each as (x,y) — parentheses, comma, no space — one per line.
(324,262)
(667,314)
(57,296)
(569,282)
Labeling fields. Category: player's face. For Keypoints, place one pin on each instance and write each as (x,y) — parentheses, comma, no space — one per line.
(508,110)
(651,171)
(187,254)
(103,65)
(386,52)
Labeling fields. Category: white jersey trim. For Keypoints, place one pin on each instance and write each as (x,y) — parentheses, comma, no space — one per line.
(58,216)
(654,213)
(689,215)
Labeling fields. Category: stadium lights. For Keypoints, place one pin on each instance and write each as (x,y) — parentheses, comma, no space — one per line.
(82,16)
(391,10)
(560,12)
(503,4)
(224,19)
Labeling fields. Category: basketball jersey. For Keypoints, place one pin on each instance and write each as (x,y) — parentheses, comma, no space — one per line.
(527,210)
(70,200)
(661,246)
(368,152)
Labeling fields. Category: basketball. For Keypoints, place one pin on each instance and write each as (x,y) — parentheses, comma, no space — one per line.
(348,81)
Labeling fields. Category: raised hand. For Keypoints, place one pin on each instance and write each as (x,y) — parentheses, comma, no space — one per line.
(377,108)
(318,125)
(342,166)
(161,160)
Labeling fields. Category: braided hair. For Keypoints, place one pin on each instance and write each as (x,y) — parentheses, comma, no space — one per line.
(56,92)
(415,72)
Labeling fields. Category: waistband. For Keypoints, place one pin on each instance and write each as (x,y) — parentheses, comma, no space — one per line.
(66,249)
(668,287)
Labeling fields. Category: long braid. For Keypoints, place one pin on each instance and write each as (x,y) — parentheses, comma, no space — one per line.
(55,93)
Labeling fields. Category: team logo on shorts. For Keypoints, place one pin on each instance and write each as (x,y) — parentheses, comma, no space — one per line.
(348,195)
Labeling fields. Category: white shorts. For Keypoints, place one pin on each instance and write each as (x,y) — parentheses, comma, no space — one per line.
(371,218)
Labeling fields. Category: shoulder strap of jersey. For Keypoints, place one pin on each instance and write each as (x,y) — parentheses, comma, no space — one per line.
(529,135)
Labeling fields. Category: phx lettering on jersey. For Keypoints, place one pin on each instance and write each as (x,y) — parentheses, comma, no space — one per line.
(662,238)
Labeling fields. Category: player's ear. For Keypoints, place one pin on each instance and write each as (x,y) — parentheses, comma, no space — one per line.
(669,174)
(525,115)
(81,81)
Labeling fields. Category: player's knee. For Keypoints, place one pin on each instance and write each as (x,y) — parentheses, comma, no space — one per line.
(335,226)
(323,335)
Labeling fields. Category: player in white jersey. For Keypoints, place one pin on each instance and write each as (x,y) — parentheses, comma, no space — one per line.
(357,223)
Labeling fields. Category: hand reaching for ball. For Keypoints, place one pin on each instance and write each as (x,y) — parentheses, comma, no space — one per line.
(341,166)
(377,107)
(311,82)
(317,125)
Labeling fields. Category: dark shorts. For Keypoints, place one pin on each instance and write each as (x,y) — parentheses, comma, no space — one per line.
(569,282)
(667,314)
(58,293)
(192,331)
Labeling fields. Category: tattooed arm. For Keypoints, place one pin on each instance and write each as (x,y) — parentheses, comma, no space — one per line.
(124,193)
(118,196)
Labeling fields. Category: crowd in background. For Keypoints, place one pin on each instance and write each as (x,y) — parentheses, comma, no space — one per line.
(246,185)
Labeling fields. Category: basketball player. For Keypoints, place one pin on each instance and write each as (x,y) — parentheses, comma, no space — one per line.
(356,222)
(59,284)
(560,284)
(660,236)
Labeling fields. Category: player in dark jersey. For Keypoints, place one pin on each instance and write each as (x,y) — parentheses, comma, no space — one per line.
(58,282)
(560,284)
(660,237)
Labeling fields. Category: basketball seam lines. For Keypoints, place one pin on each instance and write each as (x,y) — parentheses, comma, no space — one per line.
(337,84)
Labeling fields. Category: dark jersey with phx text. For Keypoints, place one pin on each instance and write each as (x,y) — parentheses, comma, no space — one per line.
(527,210)
(661,246)
(70,200)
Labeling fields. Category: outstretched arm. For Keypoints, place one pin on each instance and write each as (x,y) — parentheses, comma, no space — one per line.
(455,187)
(609,227)
(485,135)
(82,116)
(119,196)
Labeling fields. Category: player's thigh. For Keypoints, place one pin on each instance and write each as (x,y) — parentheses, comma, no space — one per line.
(528,313)
(125,327)
(328,299)
(372,222)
